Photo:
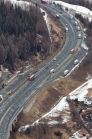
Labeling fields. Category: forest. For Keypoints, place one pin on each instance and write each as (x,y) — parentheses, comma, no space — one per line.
(18,34)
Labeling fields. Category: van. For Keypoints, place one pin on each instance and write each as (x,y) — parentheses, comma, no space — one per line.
(76,62)
(66,72)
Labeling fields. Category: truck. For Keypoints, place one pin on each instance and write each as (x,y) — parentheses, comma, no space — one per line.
(76,62)
(52,70)
(31,77)
(43,1)
(66,72)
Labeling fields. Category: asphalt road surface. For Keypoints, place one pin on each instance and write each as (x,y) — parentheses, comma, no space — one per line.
(12,105)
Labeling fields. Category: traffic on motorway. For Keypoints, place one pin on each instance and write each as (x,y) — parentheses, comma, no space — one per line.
(12,105)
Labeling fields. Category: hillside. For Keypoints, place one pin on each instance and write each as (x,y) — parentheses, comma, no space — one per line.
(19,31)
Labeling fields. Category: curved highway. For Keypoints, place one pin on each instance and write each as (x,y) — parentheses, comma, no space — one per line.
(12,106)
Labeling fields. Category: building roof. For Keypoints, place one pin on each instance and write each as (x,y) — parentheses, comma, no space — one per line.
(83,132)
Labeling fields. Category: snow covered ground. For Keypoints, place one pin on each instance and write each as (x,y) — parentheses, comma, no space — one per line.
(63,105)
(75,7)
(23,4)
(85,12)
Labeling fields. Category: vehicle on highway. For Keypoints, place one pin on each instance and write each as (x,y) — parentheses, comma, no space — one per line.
(57,64)
(71,16)
(47,67)
(52,70)
(66,29)
(72,51)
(78,28)
(66,72)
(57,16)
(43,1)
(76,61)
(75,23)
(31,77)
(55,59)
(79,36)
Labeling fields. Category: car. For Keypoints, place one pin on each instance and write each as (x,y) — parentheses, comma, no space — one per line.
(57,64)
(66,29)
(76,61)
(46,67)
(66,24)
(79,36)
(72,51)
(78,28)
(66,72)
(71,17)
(57,16)
(55,59)
(76,23)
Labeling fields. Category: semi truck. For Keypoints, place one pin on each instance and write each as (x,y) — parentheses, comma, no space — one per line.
(52,70)
(31,77)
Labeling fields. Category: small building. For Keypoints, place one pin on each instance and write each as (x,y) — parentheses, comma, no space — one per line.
(88,101)
(81,134)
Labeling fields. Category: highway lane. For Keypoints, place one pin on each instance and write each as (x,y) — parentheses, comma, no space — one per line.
(51,61)
(26,95)
(79,55)
(10,88)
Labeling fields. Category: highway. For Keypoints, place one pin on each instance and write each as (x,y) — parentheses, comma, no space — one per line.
(12,105)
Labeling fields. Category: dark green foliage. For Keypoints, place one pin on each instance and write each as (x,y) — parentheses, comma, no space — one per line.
(58,133)
(18,33)
(38,48)
(80,17)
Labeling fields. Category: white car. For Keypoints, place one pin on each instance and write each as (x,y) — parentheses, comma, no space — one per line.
(66,72)
(76,62)
(66,29)
(55,59)
(79,36)
(78,28)
(75,23)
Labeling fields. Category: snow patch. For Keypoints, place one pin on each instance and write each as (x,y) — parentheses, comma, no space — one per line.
(63,105)
(88,76)
(80,9)
(23,128)
(46,20)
